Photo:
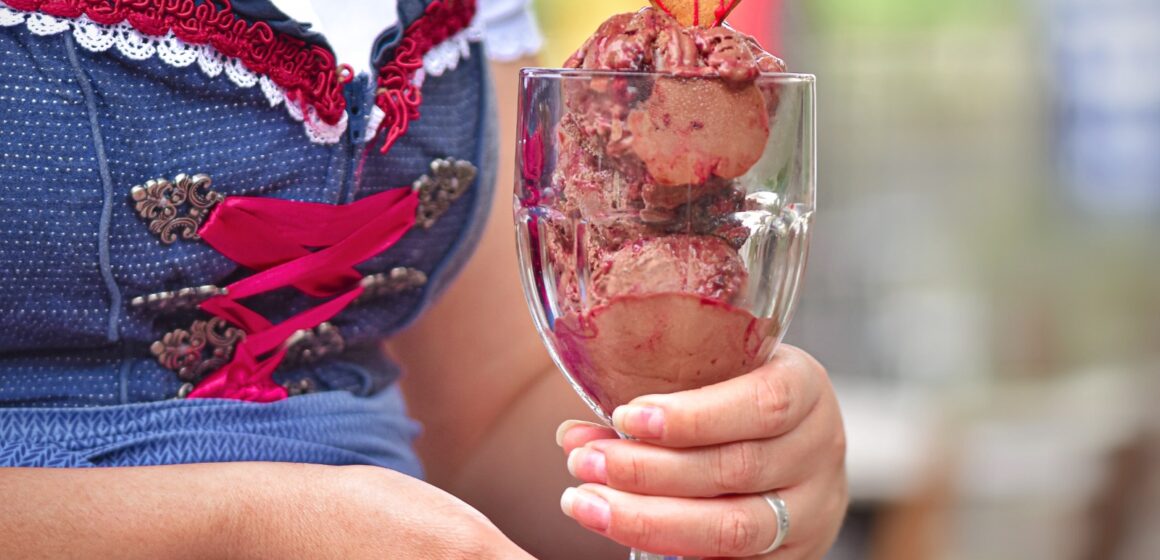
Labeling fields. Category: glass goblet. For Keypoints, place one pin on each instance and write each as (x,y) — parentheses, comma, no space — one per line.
(662,225)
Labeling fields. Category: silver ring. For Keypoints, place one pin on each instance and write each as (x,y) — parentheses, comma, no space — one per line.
(782,513)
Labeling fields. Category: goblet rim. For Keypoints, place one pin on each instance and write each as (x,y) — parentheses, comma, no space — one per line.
(579,73)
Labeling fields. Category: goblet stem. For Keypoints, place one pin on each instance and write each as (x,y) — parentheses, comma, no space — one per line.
(638,555)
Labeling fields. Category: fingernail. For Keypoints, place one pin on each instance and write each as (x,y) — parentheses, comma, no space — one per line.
(586,508)
(640,421)
(563,430)
(588,465)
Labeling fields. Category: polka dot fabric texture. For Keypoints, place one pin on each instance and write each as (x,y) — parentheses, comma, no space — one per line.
(51,203)
(79,129)
(442,131)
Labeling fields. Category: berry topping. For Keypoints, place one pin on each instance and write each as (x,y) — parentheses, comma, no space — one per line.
(699,13)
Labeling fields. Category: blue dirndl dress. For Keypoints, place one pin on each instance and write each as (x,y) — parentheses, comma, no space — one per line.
(103,331)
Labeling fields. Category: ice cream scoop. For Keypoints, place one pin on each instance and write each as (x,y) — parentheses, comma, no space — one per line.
(691,130)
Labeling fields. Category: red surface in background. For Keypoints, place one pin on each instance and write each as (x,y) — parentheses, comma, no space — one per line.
(762,19)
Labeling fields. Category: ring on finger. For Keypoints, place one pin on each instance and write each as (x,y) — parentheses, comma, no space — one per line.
(781,512)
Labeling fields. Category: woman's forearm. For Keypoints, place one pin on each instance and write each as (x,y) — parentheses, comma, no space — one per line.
(195,511)
(238,511)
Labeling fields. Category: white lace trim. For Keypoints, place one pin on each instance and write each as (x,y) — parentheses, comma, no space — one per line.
(373,123)
(316,129)
(96,37)
(446,55)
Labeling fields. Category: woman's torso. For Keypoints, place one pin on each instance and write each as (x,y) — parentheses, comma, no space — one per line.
(94,102)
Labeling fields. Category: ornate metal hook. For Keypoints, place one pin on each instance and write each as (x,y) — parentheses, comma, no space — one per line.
(448,180)
(162,203)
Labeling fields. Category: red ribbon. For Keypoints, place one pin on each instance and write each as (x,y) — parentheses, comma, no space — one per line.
(309,246)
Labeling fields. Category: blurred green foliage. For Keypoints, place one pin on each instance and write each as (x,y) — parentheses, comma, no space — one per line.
(901,14)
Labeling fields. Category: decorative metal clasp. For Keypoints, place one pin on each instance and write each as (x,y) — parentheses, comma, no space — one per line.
(160,201)
(300,387)
(397,281)
(181,300)
(310,346)
(199,351)
(449,179)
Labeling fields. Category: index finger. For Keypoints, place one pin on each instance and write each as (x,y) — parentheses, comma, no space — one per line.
(765,403)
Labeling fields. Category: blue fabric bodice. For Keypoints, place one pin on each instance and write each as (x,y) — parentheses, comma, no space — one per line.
(78,130)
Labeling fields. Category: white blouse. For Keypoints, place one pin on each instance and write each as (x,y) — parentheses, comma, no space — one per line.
(351,26)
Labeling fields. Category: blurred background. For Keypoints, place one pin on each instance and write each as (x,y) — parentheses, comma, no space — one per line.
(983,285)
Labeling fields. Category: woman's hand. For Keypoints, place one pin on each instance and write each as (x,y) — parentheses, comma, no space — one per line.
(692,482)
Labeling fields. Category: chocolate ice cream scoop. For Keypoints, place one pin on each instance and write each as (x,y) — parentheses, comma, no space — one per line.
(683,131)
(653,41)
(690,130)
(660,343)
(701,265)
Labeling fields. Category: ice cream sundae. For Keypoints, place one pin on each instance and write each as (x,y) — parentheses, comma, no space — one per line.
(644,234)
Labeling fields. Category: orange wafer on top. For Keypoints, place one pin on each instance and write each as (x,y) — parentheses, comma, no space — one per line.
(701,13)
